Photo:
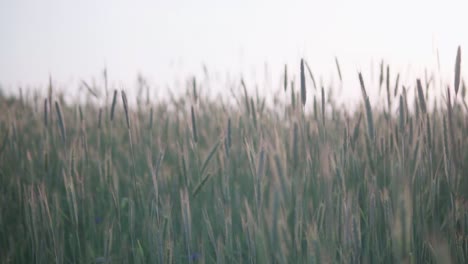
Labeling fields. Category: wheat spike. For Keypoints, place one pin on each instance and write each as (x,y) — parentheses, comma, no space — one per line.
(125,105)
(61,122)
(114,102)
(457,70)
(422,101)
(285,77)
(194,125)
(303,84)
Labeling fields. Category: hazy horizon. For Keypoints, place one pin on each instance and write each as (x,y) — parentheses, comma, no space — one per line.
(167,41)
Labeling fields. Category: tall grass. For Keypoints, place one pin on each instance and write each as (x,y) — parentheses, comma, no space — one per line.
(239,183)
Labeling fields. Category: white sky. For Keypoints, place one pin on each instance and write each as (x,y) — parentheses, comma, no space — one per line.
(165,40)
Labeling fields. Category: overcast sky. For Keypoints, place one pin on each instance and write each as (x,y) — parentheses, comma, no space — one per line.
(164,40)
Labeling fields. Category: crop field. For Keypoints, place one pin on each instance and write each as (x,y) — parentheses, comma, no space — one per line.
(189,179)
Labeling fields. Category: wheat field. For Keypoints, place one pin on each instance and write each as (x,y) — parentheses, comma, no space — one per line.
(190,179)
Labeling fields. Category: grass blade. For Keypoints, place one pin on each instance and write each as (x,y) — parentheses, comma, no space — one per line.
(208,158)
(338,69)
(311,75)
(200,185)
